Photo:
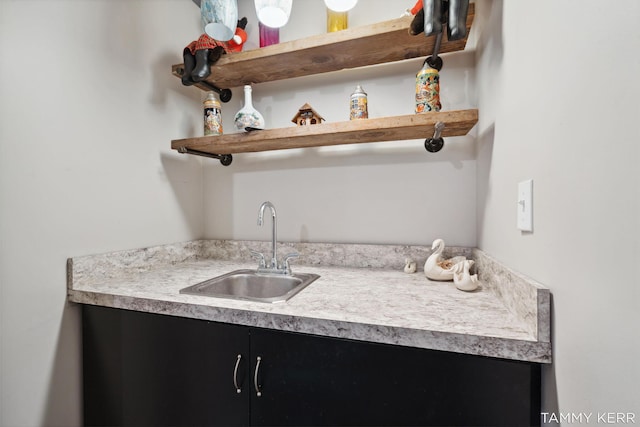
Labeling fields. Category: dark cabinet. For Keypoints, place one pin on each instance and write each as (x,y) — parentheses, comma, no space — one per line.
(144,369)
(149,369)
(310,380)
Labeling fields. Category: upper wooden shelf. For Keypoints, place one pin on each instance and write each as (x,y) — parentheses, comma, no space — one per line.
(412,126)
(378,43)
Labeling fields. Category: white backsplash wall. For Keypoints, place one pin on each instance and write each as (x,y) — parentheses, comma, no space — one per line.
(392,192)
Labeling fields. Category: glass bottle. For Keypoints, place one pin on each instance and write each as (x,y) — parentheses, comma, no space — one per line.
(358,105)
(268,35)
(212,115)
(337,21)
(427,89)
(248,116)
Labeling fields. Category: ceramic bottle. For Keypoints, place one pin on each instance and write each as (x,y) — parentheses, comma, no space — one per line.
(248,116)
(212,115)
(427,89)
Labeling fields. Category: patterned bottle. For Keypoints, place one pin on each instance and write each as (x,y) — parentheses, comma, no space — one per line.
(427,89)
(212,115)
(248,117)
(358,104)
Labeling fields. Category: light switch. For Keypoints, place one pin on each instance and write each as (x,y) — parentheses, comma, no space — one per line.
(525,205)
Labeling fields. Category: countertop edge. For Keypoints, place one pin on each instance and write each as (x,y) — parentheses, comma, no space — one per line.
(517,350)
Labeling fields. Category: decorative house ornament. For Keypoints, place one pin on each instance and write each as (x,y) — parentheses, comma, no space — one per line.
(307,116)
(438,268)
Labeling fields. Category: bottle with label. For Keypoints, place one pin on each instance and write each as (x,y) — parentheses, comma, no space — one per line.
(427,89)
(358,105)
(212,115)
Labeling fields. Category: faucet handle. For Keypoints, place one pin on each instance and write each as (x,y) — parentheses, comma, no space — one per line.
(285,261)
(260,257)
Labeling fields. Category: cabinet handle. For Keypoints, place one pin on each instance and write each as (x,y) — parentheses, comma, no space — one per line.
(255,377)
(235,374)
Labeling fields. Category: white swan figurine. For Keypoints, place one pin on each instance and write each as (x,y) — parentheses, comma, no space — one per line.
(410,266)
(462,278)
(437,268)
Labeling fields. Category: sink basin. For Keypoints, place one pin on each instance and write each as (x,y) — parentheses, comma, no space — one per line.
(252,286)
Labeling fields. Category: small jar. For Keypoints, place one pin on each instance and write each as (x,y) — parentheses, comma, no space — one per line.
(212,115)
(358,105)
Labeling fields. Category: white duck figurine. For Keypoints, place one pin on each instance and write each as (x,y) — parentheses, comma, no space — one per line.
(410,266)
(462,278)
(437,268)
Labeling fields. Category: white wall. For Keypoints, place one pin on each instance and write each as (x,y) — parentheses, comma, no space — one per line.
(372,193)
(87,111)
(558,99)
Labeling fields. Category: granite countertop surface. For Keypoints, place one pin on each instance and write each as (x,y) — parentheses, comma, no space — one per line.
(363,294)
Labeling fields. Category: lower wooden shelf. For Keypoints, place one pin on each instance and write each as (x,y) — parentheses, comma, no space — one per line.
(396,128)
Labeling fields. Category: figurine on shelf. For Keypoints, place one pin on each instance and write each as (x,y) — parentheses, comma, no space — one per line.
(437,268)
(429,15)
(462,278)
(410,266)
(200,54)
(307,116)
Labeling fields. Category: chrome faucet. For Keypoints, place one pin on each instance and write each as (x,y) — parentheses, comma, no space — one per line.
(274,266)
(274,230)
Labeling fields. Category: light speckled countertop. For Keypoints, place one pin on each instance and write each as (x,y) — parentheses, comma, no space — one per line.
(362,294)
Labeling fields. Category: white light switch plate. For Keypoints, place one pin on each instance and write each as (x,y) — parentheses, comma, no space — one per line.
(525,205)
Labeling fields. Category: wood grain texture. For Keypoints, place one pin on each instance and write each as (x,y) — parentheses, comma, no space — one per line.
(377,43)
(396,128)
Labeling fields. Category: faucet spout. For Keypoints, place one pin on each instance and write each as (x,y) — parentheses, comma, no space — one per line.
(274,231)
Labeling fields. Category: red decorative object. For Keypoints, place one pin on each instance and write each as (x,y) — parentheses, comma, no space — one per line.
(200,54)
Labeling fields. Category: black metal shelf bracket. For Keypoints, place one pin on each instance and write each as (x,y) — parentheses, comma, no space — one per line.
(434,60)
(435,144)
(225,94)
(225,159)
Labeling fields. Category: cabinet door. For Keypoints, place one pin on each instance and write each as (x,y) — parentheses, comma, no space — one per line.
(164,370)
(102,366)
(307,380)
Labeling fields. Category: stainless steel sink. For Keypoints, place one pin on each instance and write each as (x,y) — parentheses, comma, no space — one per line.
(253,286)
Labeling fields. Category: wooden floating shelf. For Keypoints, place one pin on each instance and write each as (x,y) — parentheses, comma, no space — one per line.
(397,128)
(378,43)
